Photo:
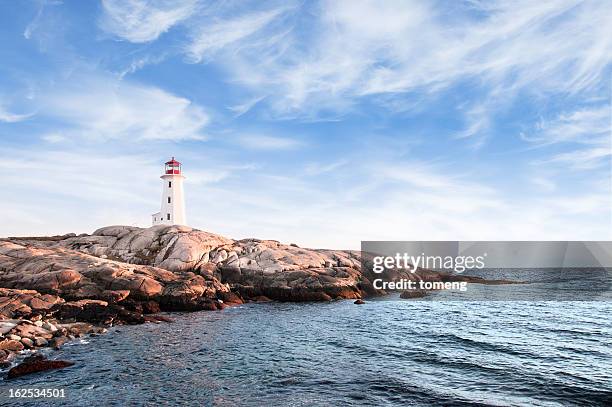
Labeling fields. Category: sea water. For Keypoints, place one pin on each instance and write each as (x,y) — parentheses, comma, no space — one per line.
(388,351)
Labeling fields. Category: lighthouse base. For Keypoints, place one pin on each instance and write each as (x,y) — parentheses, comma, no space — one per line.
(157,219)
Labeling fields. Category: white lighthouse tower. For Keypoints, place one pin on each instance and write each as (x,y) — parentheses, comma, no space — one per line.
(173,200)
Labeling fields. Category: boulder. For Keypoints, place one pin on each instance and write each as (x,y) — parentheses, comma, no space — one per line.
(27,342)
(36,363)
(48,326)
(57,342)
(142,307)
(408,294)
(39,341)
(11,345)
(98,311)
(28,330)
(230,298)
(114,296)
(7,326)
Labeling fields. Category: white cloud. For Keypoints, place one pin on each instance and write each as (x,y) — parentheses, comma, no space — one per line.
(584,125)
(543,183)
(397,201)
(322,168)
(264,142)
(8,117)
(586,132)
(54,138)
(586,159)
(62,188)
(360,48)
(199,177)
(214,36)
(33,25)
(344,52)
(59,191)
(141,21)
(103,107)
(242,108)
(78,190)
(139,63)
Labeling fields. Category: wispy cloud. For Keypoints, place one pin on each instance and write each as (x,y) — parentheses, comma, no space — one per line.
(244,107)
(139,63)
(408,85)
(141,21)
(103,107)
(63,190)
(54,138)
(265,142)
(584,125)
(587,133)
(216,35)
(322,168)
(31,27)
(360,48)
(403,49)
(9,117)
(67,187)
(411,200)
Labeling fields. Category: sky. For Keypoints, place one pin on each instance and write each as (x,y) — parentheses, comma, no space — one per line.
(310,122)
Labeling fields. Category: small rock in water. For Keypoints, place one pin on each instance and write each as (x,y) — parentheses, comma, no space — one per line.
(413,294)
(57,342)
(156,318)
(36,363)
(14,337)
(359,301)
(5,358)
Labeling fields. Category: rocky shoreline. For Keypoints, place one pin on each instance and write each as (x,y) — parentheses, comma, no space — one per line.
(54,289)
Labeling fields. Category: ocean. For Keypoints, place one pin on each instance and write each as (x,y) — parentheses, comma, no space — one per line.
(387,352)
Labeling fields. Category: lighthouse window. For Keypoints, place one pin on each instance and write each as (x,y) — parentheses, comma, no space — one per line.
(168,216)
(169,184)
(168,199)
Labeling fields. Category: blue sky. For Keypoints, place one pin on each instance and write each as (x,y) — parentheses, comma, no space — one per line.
(319,123)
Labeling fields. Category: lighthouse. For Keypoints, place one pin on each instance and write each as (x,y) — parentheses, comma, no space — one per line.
(173,200)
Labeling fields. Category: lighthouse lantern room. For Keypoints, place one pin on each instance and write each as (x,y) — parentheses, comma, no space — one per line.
(173,200)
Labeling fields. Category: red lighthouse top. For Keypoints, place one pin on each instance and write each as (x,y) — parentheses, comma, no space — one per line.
(173,167)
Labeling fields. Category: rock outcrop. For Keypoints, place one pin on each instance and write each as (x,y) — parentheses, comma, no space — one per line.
(182,268)
(53,289)
(251,267)
(74,275)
